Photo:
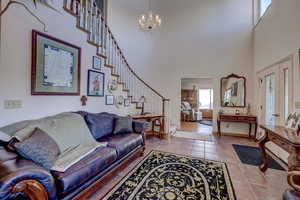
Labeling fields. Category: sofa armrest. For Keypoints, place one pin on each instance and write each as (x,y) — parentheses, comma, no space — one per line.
(20,176)
(138,126)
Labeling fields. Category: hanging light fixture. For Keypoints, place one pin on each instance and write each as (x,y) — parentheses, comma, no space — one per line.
(149,21)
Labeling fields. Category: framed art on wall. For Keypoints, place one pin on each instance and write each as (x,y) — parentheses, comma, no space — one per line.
(97,63)
(95,83)
(55,66)
(109,100)
(126,102)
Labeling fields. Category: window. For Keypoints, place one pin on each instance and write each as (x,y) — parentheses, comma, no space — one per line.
(206,98)
(263,6)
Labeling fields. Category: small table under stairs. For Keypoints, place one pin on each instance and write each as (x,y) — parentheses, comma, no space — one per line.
(248,119)
(152,118)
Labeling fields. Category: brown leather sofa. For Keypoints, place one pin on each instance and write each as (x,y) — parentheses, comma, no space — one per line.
(23,179)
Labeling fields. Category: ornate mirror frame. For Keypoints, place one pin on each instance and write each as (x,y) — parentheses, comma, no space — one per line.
(245,89)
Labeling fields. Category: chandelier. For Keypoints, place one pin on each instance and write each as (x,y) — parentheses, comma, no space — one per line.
(149,21)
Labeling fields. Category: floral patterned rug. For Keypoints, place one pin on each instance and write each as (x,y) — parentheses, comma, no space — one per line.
(168,176)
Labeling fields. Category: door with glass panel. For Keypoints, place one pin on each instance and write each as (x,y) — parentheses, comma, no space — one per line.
(275,89)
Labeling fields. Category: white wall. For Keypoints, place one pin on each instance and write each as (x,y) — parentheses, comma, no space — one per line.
(187,83)
(198,39)
(15,64)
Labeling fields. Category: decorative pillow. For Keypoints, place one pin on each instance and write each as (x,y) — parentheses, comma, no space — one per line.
(100,125)
(40,148)
(123,125)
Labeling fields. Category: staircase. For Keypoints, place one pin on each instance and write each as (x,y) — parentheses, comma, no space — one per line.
(89,20)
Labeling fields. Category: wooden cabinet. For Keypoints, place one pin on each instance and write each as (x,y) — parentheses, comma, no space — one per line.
(248,119)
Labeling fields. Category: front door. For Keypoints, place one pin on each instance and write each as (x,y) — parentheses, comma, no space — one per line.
(275,93)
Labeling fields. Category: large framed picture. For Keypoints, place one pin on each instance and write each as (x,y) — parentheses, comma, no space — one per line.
(55,66)
(95,83)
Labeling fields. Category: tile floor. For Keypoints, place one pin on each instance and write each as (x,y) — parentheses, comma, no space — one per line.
(248,182)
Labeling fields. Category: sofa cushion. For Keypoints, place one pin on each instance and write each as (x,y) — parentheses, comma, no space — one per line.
(100,125)
(123,125)
(124,143)
(84,170)
(40,148)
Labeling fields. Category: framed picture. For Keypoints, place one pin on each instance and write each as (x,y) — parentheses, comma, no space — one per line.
(109,100)
(55,66)
(126,102)
(95,83)
(97,63)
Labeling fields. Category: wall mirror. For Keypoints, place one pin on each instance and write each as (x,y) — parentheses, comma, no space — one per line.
(233,91)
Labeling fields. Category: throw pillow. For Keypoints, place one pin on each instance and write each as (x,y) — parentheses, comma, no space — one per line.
(100,125)
(39,148)
(123,125)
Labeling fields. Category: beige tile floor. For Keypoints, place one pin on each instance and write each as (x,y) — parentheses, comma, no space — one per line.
(248,182)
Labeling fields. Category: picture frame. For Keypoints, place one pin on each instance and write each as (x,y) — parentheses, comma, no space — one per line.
(55,66)
(126,102)
(97,63)
(109,100)
(95,85)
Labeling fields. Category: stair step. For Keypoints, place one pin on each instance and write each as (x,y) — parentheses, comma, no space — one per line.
(115,75)
(82,29)
(70,12)
(93,43)
(134,102)
(138,107)
(121,83)
(109,66)
(102,56)
(125,90)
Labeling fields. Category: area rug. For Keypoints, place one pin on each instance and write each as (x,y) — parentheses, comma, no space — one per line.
(168,176)
(206,122)
(252,156)
(193,135)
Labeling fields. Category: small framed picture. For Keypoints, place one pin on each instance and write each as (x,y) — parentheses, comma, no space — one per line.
(109,100)
(95,83)
(126,102)
(97,63)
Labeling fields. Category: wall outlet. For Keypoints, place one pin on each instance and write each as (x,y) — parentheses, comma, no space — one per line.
(12,104)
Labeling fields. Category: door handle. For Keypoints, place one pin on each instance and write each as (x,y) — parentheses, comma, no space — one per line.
(276,115)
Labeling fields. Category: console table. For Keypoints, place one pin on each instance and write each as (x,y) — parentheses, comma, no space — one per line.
(287,139)
(248,119)
(152,118)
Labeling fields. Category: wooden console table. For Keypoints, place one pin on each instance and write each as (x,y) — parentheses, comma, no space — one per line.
(152,118)
(249,119)
(287,139)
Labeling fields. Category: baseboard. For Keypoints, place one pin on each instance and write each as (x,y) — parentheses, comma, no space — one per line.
(242,135)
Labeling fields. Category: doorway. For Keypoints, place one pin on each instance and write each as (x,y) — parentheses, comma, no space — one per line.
(275,100)
(275,93)
(197,105)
